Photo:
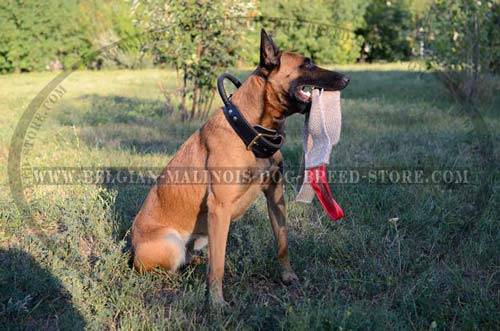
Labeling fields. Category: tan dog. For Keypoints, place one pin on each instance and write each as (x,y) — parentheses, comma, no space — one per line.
(177,217)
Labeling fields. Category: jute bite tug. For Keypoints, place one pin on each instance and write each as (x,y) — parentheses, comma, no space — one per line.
(177,218)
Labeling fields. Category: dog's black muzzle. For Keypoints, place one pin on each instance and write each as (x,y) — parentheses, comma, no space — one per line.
(324,79)
(320,78)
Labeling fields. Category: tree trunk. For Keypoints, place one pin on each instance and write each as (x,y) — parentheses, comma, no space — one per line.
(208,105)
(195,97)
(196,88)
(475,58)
(184,114)
(201,97)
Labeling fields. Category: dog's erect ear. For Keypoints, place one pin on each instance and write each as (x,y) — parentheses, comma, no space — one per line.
(269,53)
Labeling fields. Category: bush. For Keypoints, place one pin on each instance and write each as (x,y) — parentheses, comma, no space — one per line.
(387,31)
(464,46)
(40,35)
(194,37)
(322,30)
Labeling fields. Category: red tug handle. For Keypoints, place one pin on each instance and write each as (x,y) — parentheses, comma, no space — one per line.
(322,191)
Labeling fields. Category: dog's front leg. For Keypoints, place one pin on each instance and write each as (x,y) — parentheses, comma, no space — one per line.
(219,219)
(277,215)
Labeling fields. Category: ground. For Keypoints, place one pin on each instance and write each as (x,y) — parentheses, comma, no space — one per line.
(406,256)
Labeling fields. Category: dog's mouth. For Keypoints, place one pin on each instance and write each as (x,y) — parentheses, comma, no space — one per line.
(304,93)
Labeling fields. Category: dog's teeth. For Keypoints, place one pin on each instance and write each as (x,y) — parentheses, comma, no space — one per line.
(305,93)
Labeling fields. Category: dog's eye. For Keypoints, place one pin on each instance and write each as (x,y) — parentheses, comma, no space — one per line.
(307,64)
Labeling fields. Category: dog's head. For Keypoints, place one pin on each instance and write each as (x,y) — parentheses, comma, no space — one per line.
(291,76)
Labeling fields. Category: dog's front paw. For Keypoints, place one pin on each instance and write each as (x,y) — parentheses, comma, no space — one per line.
(289,277)
(216,298)
(218,304)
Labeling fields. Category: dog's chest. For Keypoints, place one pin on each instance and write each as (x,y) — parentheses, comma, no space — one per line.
(258,177)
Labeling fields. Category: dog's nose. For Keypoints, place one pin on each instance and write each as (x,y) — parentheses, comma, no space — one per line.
(346,80)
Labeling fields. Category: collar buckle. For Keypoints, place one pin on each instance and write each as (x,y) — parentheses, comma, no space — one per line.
(256,139)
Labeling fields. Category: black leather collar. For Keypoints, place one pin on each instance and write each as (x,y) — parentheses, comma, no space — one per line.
(261,141)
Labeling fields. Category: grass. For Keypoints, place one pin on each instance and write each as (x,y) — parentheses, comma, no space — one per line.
(404,257)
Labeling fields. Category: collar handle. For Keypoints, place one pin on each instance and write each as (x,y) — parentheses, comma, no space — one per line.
(263,142)
(222,90)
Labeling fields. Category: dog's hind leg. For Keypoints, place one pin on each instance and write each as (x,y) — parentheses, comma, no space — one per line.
(277,214)
(167,251)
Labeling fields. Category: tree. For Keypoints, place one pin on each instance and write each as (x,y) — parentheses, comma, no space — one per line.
(387,31)
(38,35)
(464,46)
(111,22)
(323,30)
(195,37)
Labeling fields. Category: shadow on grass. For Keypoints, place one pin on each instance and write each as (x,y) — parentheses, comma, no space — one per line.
(128,202)
(32,298)
(101,110)
(140,125)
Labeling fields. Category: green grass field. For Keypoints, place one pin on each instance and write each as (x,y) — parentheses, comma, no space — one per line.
(406,257)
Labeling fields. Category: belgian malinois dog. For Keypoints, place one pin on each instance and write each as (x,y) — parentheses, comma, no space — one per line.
(175,219)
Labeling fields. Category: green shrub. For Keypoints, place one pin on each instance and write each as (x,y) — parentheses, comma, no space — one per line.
(40,35)
(464,46)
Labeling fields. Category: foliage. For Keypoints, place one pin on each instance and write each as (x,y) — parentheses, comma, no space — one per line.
(195,40)
(322,30)
(464,46)
(39,35)
(386,31)
(111,22)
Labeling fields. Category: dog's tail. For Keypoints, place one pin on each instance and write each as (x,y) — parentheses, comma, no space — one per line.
(167,252)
